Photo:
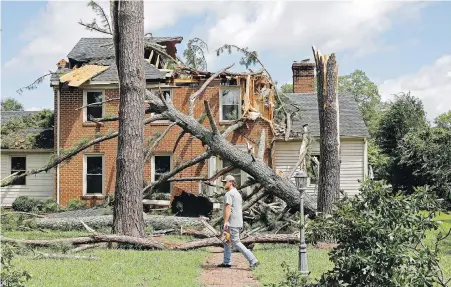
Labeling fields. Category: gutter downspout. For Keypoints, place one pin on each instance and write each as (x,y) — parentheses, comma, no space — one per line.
(58,95)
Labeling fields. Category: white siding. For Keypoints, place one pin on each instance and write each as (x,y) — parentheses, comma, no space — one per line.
(39,186)
(352,161)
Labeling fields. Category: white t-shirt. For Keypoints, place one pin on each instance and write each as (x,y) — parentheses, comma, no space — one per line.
(233,197)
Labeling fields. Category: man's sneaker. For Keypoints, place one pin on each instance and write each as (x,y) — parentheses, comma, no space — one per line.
(222,265)
(253,266)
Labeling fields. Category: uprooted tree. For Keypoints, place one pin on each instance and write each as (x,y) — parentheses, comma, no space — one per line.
(265,180)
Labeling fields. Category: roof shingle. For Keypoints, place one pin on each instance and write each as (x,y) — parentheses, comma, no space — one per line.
(88,49)
(351,120)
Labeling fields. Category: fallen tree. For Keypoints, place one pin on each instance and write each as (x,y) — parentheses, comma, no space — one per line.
(152,243)
(156,222)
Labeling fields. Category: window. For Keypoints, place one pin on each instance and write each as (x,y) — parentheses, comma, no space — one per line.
(230,98)
(167,95)
(93,175)
(313,170)
(161,164)
(95,110)
(19,164)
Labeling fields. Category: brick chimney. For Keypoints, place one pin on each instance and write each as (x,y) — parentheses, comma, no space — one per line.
(303,76)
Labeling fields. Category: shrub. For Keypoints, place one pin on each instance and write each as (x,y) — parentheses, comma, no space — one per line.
(75,204)
(49,205)
(25,204)
(10,276)
(380,239)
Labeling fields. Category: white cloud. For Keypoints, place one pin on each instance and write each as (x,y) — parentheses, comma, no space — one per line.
(432,84)
(282,27)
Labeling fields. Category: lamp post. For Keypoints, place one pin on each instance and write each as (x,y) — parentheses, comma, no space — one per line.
(301,182)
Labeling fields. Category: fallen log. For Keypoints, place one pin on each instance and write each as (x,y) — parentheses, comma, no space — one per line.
(87,246)
(153,244)
(94,238)
(261,238)
(156,222)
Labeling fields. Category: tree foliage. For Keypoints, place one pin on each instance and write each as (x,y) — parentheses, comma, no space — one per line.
(10,275)
(365,93)
(380,239)
(195,54)
(428,154)
(404,115)
(11,104)
(249,58)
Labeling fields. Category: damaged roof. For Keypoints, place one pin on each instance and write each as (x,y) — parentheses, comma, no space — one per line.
(88,49)
(351,120)
(110,75)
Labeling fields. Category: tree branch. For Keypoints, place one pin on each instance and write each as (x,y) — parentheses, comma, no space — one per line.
(302,151)
(148,190)
(261,145)
(194,96)
(9,180)
(233,128)
(213,125)
(35,84)
(157,141)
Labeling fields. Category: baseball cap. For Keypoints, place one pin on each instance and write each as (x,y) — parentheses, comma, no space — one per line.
(228,178)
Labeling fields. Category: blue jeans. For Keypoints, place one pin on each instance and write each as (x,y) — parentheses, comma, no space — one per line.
(235,238)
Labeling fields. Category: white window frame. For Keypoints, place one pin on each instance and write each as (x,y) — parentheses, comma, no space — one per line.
(85,102)
(10,168)
(152,167)
(170,96)
(85,168)
(221,89)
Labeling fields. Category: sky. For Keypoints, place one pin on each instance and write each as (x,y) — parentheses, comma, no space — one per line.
(402,46)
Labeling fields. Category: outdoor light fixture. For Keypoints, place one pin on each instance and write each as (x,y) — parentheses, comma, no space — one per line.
(301,179)
(301,182)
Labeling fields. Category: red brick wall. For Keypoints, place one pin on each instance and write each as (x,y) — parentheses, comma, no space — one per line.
(73,130)
(303,77)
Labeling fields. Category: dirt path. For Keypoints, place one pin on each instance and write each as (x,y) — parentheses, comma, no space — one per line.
(239,275)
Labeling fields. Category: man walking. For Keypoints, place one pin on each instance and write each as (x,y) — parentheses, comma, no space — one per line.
(233,222)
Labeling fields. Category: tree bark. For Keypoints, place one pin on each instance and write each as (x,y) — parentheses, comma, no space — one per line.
(156,222)
(219,145)
(128,38)
(329,168)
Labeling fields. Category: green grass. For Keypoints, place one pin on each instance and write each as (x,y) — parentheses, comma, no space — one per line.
(175,268)
(115,268)
(118,268)
(271,257)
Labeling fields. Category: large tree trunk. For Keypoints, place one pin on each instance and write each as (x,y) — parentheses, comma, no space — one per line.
(219,145)
(128,38)
(329,168)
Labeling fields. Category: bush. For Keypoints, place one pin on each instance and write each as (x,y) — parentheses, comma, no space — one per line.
(25,204)
(75,204)
(380,239)
(49,205)
(10,276)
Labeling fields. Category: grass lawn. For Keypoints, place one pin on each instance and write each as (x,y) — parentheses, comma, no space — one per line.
(174,268)
(271,257)
(115,268)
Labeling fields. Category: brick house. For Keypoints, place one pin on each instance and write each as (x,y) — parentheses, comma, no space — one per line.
(90,76)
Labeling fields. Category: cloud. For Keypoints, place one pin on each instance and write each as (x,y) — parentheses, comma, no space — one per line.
(432,84)
(290,26)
